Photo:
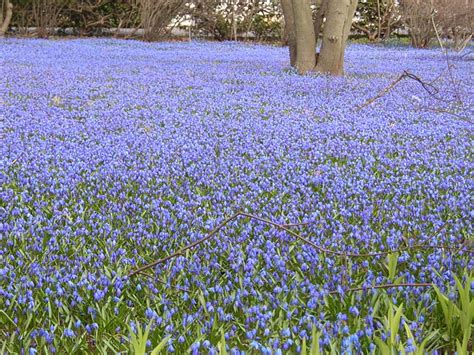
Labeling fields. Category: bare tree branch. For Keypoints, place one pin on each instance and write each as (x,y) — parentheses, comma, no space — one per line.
(295,235)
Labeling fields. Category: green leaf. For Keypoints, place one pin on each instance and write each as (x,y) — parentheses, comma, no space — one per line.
(392,265)
(202,301)
(222,345)
(8,318)
(138,341)
(463,294)
(408,331)
(421,349)
(160,346)
(315,342)
(459,348)
(465,340)
(383,347)
(303,347)
(395,325)
(443,302)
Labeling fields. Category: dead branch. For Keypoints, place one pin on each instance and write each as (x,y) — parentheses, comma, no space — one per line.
(427,86)
(383,286)
(296,236)
(190,246)
(381,93)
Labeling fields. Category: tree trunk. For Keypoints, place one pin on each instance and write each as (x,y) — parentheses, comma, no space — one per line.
(318,21)
(287,9)
(6,21)
(305,38)
(336,31)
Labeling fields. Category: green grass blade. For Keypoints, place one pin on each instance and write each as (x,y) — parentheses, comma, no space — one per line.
(315,342)
(160,346)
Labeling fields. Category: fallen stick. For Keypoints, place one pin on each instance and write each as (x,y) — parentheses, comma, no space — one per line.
(429,88)
(295,235)
(384,286)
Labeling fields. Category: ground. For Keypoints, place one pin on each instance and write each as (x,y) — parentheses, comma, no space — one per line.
(117,153)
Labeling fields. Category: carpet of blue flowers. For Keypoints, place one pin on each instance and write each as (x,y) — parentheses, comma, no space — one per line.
(117,153)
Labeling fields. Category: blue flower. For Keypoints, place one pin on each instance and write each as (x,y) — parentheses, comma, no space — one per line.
(69,333)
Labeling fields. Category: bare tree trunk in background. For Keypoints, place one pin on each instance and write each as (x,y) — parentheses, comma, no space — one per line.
(234,21)
(318,21)
(417,16)
(287,9)
(305,37)
(336,31)
(379,21)
(45,15)
(5,21)
(156,15)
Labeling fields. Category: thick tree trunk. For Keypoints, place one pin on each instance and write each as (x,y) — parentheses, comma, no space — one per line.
(287,9)
(336,31)
(305,38)
(6,20)
(319,19)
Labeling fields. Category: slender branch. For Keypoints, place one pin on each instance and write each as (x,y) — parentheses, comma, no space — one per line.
(383,286)
(441,110)
(14,161)
(190,246)
(355,255)
(381,93)
(301,224)
(436,31)
(295,235)
(427,86)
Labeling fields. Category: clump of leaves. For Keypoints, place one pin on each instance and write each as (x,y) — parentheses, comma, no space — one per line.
(458,315)
(139,339)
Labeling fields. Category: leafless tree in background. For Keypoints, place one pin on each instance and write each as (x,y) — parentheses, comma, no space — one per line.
(452,19)
(234,19)
(417,16)
(6,13)
(156,15)
(215,18)
(455,19)
(90,16)
(45,15)
(376,19)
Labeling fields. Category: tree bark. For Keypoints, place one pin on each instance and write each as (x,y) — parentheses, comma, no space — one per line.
(6,21)
(287,9)
(318,21)
(336,31)
(305,37)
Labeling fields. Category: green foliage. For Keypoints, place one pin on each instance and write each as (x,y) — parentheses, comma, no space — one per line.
(392,265)
(457,316)
(451,325)
(397,341)
(392,325)
(138,341)
(222,345)
(315,343)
